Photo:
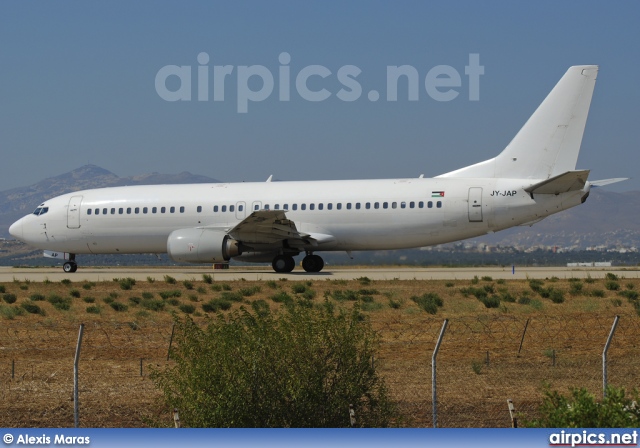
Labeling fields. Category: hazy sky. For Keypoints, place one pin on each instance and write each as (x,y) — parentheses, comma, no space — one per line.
(78,86)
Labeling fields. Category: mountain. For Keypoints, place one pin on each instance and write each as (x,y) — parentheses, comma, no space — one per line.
(18,202)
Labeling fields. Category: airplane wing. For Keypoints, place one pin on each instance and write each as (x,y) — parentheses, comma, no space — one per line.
(264,227)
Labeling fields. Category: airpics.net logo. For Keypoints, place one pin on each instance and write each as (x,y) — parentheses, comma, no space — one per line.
(255,83)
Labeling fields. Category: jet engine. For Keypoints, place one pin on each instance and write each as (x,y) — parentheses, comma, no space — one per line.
(201,246)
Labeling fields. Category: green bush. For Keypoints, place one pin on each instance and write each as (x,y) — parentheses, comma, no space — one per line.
(36,297)
(2,289)
(583,410)
(126,283)
(152,304)
(281,297)
(169,294)
(611,276)
(170,280)
(631,295)
(74,293)
(207,278)
(147,295)
(215,305)
(491,301)
(93,309)
(535,284)
(575,288)
(135,300)
(301,367)
(598,293)
(88,299)
(118,306)
(9,298)
(59,303)
(65,281)
(298,288)
(556,295)
(248,292)
(10,312)
(187,308)
(32,308)
(187,284)
(612,285)
(430,302)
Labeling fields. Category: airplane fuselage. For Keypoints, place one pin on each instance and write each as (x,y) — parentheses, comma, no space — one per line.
(357,214)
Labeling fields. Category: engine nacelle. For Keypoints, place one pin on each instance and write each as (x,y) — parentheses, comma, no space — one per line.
(201,246)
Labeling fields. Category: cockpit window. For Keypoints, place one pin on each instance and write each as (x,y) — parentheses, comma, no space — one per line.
(40,211)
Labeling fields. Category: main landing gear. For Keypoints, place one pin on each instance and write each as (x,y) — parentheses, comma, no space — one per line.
(286,263)
(71,265)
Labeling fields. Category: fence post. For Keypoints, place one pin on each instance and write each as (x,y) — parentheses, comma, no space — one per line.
(604,356)
(173,328)
(512,411)
(434,394)
(523,333)
(75,377)
(352,416)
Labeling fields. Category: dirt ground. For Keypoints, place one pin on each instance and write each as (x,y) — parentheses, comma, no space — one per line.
(488,355)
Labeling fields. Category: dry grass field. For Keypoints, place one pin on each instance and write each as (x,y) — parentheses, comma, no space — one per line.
(486,355)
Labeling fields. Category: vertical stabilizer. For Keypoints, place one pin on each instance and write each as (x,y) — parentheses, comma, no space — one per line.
(549,142)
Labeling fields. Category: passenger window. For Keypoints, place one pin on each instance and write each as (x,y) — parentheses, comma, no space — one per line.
(163,209)
(145,210)
(137,210)
(412,204)
(385,205)
(172,210)
(88,211)
(312,206)
(394,205)
(357,206)
(276,207)
(403,205)
(113,211)
(329,206)
(128,210)
(181,209)
(429,204)
(295,206)
(104,211)
(215,209)
(376,205)
(348,205)
(439,204)
(223,208)
(120,211)
(367,205)
(154,210)
(285,207)
(339,205)
(303,206)
(320,206)
(240,208)
(420,204)
(97,212)
(266,207)
(199,209)
(231,208)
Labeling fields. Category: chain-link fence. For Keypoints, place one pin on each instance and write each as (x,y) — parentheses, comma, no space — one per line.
(482,362)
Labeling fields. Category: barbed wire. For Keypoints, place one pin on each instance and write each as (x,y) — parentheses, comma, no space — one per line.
(483,361)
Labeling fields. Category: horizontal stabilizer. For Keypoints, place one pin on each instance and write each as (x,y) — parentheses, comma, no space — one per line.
(603,182)
(562,183)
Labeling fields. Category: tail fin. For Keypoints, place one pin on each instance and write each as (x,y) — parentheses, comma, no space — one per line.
(549,142)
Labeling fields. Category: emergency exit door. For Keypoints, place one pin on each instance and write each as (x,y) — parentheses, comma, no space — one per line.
(475,204)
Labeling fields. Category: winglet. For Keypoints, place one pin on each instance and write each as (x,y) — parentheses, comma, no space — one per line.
(603,182)
(270,177)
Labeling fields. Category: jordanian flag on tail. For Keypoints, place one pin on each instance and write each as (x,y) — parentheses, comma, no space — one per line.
(437,194)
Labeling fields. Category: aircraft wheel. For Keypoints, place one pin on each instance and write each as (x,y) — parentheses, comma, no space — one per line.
(70,266)
(312,263)
(283,263)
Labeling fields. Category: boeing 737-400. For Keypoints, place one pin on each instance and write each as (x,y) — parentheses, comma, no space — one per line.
(532,178)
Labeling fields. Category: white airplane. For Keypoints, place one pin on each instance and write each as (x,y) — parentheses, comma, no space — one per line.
(533,177)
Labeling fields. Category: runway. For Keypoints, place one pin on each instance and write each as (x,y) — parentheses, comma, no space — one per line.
(98,274)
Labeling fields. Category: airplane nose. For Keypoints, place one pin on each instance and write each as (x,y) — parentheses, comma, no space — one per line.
(16,230)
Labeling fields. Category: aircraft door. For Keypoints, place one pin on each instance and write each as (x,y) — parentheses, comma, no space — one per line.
(240,210)
(73,212)
(475,204)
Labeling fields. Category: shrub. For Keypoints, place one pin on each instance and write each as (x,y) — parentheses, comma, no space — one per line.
(187,308)
(491,301)
(88,299)
(126,283)
(281,297)
(215,305)
(169,294)
(187,284)
(535,284)
(32,308)
(556,296)
(582,410)
(226,287)
(65,281)
(612,285)
(152,304)
(207,278)
(2,289)
(60,303)
(507,297)
(364,280)
(475,280)
(231,296)
(611,276)
(575,288)
(10,312)
(173,302)
(395,304)
(24,287)
(589,279)
(118,306)
(449,284)
(272,284)
(430,302)
(135,300)
(170,280)
(9,298)
(486,278)
(598,293)
(298,288)
(631,295)
(247,292)
(524,300)
(306,366)
(74,293)
(150,279)
(88,285)
(147,295)
(36,297)
(93,309)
